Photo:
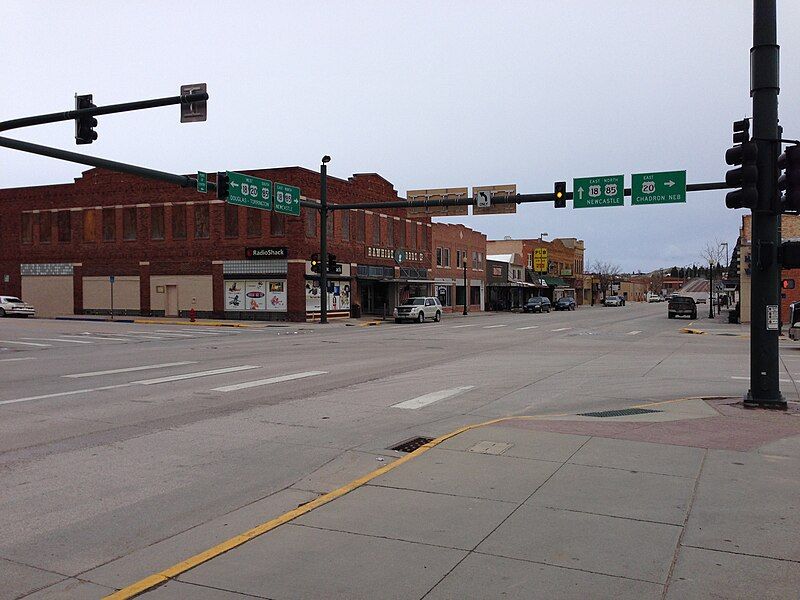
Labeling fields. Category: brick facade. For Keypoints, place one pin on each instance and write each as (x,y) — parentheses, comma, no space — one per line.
(452,242)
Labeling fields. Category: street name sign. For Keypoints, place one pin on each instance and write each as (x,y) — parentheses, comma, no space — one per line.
(589,192)
(252,192)
(540,260)
(202,182)
(287,199)
(658,188)
(495,191)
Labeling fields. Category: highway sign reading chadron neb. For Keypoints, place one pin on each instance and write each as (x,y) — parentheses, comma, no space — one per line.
(658,188)
(598,191)
(253,192)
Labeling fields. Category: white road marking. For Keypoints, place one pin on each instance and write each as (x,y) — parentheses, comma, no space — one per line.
(193,333)
(562,329)
(196,374)
(427,399)
(748,379)
(260,382)
(86,336)
(130,369)
(26,343)
(633,333)
(58,340)
(459,326)
(71,393)
(495,326)
(144,334)
(16,359)
(529,327)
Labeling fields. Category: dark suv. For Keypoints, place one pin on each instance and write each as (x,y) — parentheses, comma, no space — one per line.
(537,304)
(681,306)
(565,303)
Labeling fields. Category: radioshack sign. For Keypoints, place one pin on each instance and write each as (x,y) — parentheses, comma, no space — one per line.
(266,252)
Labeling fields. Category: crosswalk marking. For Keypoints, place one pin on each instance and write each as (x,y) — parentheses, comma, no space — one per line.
(145,334)
(195,375)
(529,327)
(561,329)
(260,382)
(58,340)
(748,379)
(26,343)
(427,399)
(70,393)
(189,334)
(460,326)
(633,333)
(97,337)
(130,369)
(16,359)
(494,326)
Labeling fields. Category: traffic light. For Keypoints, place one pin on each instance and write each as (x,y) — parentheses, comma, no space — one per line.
(315,263)
(787,284)
(560,193)
(222,185)
(331,263)
(790,255)
(789,181)
(84,126)
(745,177)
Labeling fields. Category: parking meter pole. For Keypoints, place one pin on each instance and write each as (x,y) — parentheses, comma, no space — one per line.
(323,244)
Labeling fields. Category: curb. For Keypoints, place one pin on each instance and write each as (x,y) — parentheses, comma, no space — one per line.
(196,323)
(690,330)
(162,577)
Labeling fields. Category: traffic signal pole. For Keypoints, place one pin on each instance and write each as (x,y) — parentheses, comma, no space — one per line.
(323,242)
(765,283)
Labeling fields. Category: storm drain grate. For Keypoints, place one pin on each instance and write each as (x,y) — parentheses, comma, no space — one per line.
(412,444)
(620,413)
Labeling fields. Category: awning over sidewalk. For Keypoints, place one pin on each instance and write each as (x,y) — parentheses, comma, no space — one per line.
(555,281)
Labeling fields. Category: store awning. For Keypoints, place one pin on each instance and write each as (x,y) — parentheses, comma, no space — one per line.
(555,281)
(520,284)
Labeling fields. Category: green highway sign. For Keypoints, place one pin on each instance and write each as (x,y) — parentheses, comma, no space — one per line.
(287,199)
(202,182)
(658,188)
(598,191)
(252,192)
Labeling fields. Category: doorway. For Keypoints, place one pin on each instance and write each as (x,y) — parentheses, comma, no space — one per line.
(171,308)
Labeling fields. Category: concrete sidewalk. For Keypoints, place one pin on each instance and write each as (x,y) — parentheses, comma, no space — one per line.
(686,499)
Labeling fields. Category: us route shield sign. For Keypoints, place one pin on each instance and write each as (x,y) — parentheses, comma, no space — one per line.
(589,192)
(658,188)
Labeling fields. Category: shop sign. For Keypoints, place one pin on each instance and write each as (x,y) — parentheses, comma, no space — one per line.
(438,194)
(566,272)
(266,252)
(389,253)
(540,260)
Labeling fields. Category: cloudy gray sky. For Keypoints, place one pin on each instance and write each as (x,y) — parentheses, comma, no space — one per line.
(428,94)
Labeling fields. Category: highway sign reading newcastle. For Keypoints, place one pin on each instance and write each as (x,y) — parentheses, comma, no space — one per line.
(202,182)
(252,192)
(588,192)
(287,199)
(658,188)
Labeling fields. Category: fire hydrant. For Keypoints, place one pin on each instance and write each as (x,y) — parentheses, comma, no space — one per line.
(192,314)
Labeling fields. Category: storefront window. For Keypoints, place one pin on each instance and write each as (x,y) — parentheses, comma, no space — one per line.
(474,294)
(459,295)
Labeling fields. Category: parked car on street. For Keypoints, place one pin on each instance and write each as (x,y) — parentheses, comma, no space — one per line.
(614,301)
(681,306)
(13,306)
(537,304)
(653,297)
(565,303)
(418,309)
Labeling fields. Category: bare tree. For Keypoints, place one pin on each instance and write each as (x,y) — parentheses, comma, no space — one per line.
(657,281)
(605,272)
(712,253)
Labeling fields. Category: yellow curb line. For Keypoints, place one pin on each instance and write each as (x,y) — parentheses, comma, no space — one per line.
(164,576)
(370,324)
(196,323)
(690,330)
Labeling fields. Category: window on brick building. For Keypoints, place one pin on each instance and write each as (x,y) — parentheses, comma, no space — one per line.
(277,223)
(231,221)
(390,231)
(90,225)
(311,223)
(425,234)
(461,257)
(202,227)
(345,221)
(45,227)
(156,222)
(253,222)
(361,226)
(178,221)
(64,224)
(445,257)
(376,229)
(475,260)
(26,228)
(109,224)
(413,243)
(401,233)
(330,224)
(129,223)
(474,294)
(439,257)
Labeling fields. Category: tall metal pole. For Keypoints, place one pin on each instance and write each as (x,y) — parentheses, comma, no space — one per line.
(323,242)
(711,289)
(466,288)
(764,86)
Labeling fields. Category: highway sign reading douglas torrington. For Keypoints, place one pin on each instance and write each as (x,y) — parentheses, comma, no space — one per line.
(253,192)
(598,191)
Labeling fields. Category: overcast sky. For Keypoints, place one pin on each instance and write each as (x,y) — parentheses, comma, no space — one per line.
(428,94)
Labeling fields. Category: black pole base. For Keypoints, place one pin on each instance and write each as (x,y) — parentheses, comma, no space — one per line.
(778,403)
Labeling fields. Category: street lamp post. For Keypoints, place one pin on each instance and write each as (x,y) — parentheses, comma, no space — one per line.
(711,289)
(466,289)
(323,240)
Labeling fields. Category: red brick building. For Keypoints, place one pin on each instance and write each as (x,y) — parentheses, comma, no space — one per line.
(171,249)
(452,245)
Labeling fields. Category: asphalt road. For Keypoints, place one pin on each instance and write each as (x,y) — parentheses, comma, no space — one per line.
(115,437)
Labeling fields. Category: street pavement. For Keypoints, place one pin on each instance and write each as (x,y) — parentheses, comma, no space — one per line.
(120,458)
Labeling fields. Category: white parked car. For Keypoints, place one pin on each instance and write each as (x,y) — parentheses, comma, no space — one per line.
(11,305)
(418,309)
